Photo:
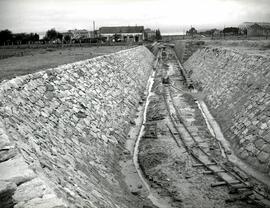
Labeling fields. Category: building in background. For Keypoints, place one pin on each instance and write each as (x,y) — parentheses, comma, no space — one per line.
(253,29)
(123,33)
(79,34)
(149,34)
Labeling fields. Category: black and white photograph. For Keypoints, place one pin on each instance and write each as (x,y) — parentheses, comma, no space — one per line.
(135,104)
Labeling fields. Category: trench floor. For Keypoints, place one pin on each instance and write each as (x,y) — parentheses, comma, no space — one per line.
(167,166)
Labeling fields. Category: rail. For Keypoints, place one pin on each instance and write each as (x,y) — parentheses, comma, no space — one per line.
(229,176)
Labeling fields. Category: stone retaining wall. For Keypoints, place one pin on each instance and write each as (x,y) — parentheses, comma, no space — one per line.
(237,87)
(60,130)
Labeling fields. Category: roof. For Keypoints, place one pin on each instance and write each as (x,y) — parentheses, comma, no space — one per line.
(261,24)
(121,29)
(256,26)
(149,30)
(78,31)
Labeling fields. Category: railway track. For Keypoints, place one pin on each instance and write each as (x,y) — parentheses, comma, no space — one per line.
(181,132)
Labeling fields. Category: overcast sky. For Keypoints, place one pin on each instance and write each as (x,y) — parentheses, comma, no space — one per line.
(168,15)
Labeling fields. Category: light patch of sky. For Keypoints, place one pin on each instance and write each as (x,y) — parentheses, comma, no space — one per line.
(168,15)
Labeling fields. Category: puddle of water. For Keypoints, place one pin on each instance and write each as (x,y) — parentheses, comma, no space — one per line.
(215,130)
(171,69)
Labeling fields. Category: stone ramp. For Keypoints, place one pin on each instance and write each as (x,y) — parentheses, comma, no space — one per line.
(61,129)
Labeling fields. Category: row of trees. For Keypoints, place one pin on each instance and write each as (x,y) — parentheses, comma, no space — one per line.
(7,37)
(53,35)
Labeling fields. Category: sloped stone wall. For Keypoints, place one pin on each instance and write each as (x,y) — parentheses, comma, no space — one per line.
(60,130)
(237,89)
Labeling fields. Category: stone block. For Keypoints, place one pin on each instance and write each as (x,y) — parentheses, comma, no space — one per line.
(263,157)
(7,154)
(259,143)
(6,192)
(264,126)
(266,148)
(267,137)
(50,201)
(35,188)
(244,154)
(15,170)
(6,186)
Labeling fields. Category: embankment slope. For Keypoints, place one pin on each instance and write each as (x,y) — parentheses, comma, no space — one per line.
(237,85)
(61,131)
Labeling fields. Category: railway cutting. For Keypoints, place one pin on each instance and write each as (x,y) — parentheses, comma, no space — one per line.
(179,154)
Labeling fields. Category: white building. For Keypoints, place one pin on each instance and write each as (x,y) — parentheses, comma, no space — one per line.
(123,33)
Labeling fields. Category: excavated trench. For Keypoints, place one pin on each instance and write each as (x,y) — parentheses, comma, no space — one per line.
(155,198)
(164,161)
(111,132)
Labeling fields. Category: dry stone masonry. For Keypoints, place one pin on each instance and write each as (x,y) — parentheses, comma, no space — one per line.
(60,129)
(237,86)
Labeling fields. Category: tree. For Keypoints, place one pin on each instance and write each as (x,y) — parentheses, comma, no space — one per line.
(33,37)
(59,36)
(23,38)
(158,35)
(192,31)
(5,36)
(51,34)
(231,30)
(67,38)
(17,38)
(36,37)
